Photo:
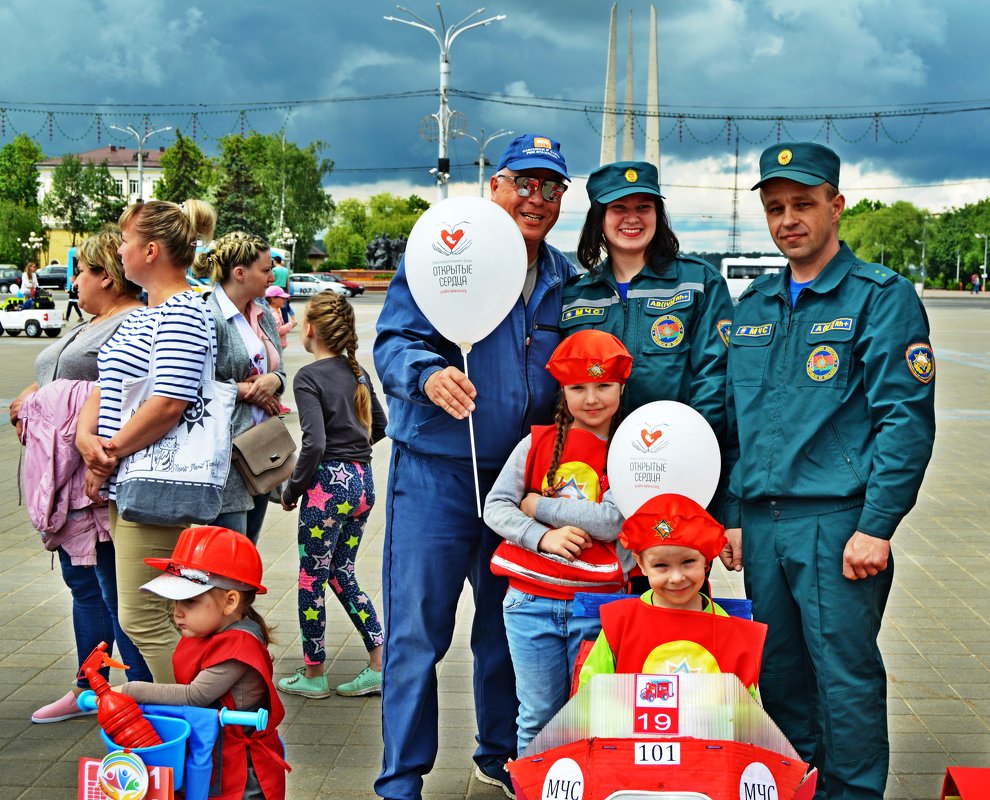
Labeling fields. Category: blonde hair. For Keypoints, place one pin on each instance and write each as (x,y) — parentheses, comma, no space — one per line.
(332,319)
(234,249)
(176,227)
(99,252)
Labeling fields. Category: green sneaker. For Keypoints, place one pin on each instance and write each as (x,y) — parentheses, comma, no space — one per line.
(307,687)
(367,682)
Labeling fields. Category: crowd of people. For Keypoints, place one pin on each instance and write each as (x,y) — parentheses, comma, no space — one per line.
(819,386)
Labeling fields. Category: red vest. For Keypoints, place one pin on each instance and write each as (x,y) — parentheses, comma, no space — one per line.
(191,657)
(650,639)
(581,475)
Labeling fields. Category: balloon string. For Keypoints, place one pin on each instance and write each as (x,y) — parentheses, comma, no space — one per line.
(465,349)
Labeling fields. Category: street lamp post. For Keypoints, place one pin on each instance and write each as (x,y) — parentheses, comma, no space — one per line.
(288,238)
(881,246)
(140,151)
(33,245)
(986,240)
(445,38)
(482,143)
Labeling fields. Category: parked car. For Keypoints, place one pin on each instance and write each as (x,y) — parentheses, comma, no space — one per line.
(10,278)
(306,285)
(13,319)
(353,287)
(200,285)
(52,276)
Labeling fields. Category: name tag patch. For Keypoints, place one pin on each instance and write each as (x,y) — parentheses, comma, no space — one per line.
(755,330)
(669,302)
(583,311)
(667,331)
(823,363)
(840,324)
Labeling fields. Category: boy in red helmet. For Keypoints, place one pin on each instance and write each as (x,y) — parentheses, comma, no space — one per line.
(674,627)
(222,658)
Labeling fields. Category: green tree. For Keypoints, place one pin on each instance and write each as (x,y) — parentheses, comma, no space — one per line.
(345,248)
(889,232)
(102,194)
(16,224)
(66,201)
(352,214)
(863,206)
(238,199)
(18,171)
(185,171)
(393,215)
(284,170)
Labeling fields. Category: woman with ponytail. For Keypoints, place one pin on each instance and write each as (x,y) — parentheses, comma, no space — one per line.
(341,419)
(249,355)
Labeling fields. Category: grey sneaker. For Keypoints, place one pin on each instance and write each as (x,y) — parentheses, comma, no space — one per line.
(367,681)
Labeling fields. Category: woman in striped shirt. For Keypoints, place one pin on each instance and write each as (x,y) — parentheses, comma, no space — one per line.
(174,335)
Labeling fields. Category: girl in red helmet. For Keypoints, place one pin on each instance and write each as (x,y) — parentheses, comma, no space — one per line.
(222,658)
(565,546)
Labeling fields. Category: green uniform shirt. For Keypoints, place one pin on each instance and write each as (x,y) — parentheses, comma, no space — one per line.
(675,326)
(833,401)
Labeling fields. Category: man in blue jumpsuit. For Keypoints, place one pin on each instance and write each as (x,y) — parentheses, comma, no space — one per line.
(831,392)
(434,537)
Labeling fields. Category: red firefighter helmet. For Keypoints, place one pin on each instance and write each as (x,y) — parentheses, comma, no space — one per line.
(204,557)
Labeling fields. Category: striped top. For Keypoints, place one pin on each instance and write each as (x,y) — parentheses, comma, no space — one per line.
(180,352)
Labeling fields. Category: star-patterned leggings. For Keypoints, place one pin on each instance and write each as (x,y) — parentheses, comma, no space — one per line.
(332,517)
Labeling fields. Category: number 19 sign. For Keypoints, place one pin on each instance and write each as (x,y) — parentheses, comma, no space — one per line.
(656,706)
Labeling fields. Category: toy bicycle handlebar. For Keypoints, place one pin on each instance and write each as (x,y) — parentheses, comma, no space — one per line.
(256,719)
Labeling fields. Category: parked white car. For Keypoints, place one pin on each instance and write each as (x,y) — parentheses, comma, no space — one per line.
(303,285)
(32,322)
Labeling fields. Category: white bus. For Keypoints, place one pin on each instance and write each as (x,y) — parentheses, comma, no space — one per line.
(739,271)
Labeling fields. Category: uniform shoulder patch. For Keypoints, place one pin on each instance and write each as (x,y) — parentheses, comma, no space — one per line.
(921,361)
(875,272)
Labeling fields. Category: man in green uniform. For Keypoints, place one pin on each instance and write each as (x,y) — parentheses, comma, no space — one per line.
(831,391)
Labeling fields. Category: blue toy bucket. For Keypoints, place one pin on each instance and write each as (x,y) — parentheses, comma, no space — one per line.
(171,753)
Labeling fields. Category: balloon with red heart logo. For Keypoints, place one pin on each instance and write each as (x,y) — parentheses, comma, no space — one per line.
(664,447)
(465,263)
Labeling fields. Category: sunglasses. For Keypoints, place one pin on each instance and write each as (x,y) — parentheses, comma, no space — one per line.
(552,191)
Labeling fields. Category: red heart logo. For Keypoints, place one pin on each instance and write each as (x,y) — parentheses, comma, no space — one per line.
(451,239)
(650,437)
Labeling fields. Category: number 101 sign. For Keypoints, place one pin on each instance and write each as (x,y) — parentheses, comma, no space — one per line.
(656,706)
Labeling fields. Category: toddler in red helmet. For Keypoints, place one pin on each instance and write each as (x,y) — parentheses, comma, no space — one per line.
(222,658)
(673,627)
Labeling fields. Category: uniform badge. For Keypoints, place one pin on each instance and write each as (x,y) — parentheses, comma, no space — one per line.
(663,529)
(631,176)
(667,331)
(596,370)
(921,361)
(784,157)
(724,327)
(823,363)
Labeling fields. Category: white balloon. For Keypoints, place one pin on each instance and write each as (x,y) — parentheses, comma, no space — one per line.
(664,447)
(466,265)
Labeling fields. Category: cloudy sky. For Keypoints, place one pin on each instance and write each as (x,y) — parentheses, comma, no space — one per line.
(541,69)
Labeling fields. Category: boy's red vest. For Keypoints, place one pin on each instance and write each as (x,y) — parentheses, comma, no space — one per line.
(650,639)
(581,476)
(191,657)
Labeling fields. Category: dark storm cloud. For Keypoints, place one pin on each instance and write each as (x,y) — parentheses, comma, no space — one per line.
(716,56)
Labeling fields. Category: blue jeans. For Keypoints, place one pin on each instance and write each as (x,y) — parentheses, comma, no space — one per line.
(94,612)
(544,639)
(247,522)
(434,539)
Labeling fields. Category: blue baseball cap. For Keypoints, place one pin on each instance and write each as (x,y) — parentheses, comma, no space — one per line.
(805,162)
(612,181)
(530,151)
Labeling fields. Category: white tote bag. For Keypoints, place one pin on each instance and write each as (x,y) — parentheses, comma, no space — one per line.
(180,478)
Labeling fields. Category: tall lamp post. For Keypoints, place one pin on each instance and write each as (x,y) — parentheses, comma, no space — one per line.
(482,143)
(140,151)
(288,238)
(985,239)
(445,38)
(882,251)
